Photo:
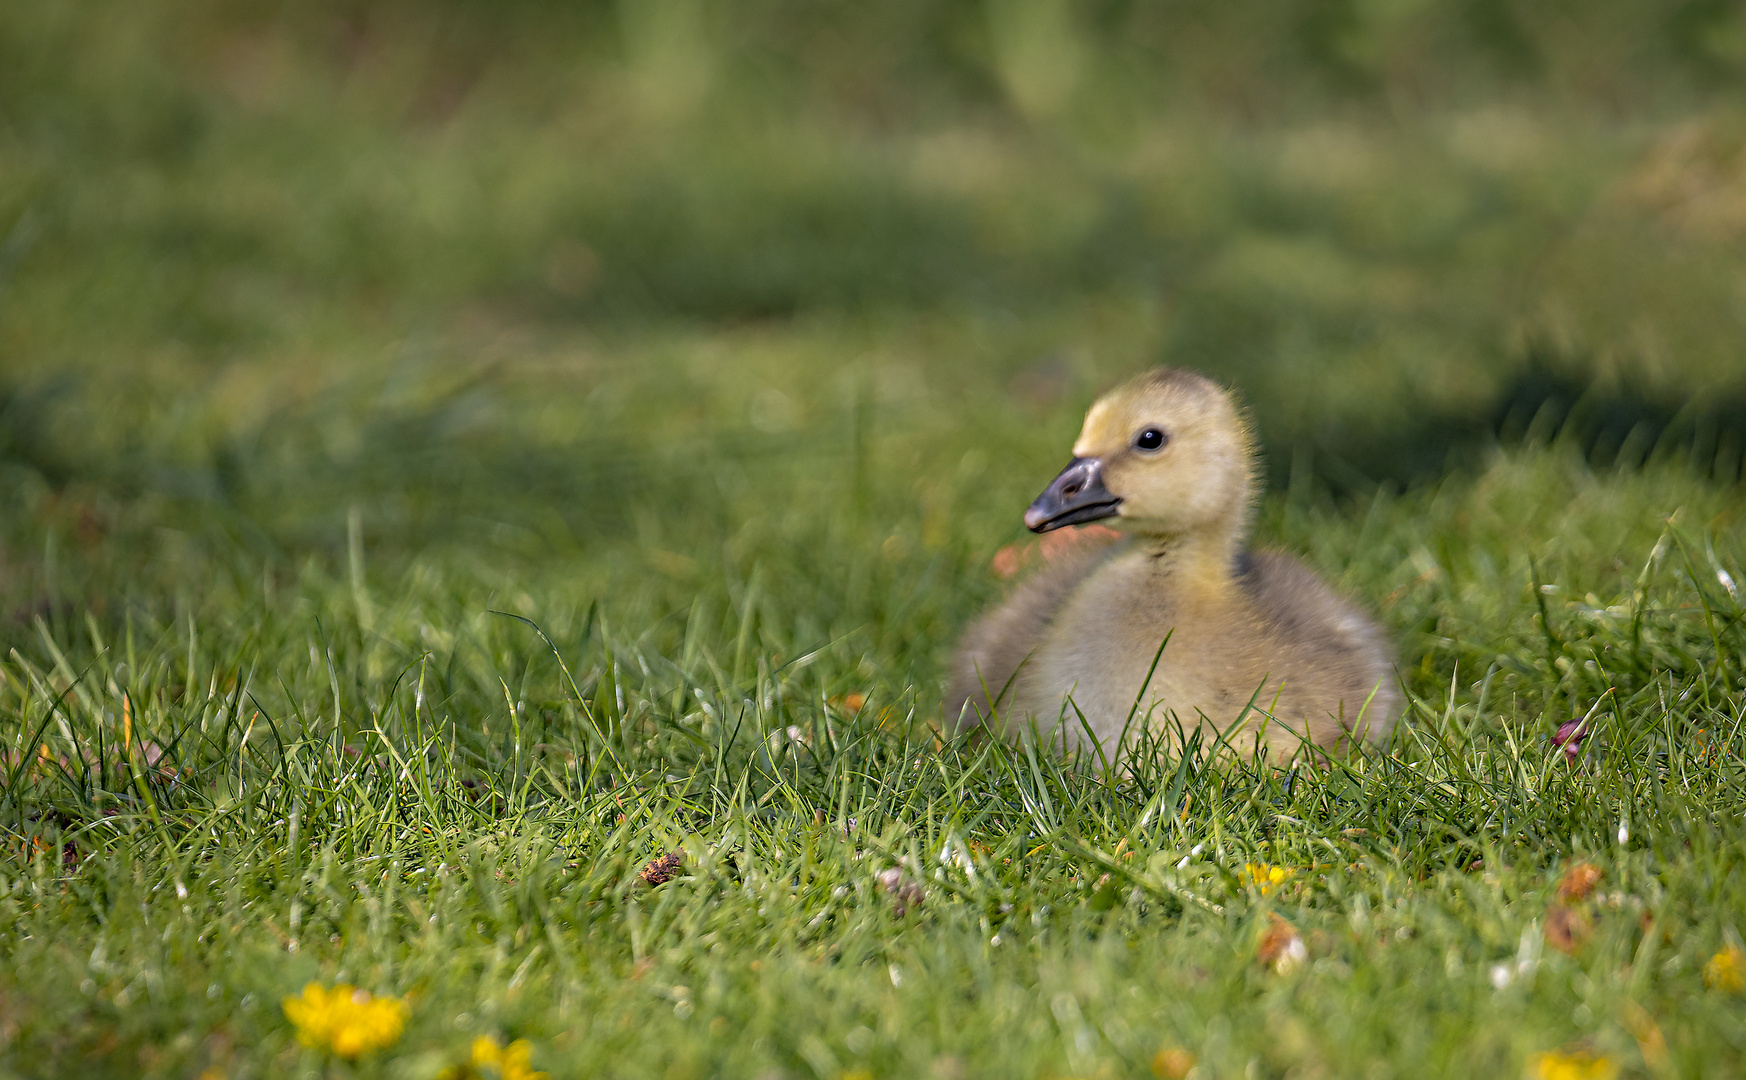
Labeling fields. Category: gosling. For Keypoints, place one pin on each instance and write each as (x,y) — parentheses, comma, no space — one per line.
(1246,636)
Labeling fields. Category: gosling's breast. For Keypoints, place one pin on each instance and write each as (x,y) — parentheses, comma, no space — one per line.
(1096,656)
(1276,634)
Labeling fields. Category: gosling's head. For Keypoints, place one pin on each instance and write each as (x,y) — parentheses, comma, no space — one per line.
(1168,453)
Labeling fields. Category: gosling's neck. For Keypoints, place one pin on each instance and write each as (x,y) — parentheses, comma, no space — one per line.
(1206,560)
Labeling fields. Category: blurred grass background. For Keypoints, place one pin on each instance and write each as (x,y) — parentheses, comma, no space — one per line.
(536,275)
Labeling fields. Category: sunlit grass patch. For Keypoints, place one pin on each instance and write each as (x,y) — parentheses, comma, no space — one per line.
(669,841)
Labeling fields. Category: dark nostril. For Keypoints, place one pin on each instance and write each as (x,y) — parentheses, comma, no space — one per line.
(1070,490)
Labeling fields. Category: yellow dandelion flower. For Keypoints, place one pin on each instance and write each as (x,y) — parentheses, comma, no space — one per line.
(1726,971)
(1265,877)
(512,1062)
(1572,1065)
(1172,1063)
(345,1021)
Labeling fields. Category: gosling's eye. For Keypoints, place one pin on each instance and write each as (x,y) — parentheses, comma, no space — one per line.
(1149,439)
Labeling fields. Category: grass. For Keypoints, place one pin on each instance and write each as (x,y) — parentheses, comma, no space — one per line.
(382,780)
(449,461)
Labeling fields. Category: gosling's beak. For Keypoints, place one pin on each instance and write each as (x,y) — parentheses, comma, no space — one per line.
(1076,496)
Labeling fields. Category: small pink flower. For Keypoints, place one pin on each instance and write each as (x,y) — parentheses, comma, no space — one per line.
(1569,736)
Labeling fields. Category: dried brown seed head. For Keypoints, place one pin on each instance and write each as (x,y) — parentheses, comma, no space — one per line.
(1578,882)
(663,869)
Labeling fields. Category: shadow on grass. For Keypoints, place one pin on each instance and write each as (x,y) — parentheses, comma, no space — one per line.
(431,473)
(1620,425)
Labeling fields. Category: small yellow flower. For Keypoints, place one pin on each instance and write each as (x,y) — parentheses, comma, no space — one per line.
(512,1062)
(345,1021)
(1572,1065)
(1172,1063)
(1265,877)
(1726,971)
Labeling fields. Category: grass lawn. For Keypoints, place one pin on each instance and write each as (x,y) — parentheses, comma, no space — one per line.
(485,502)
(375,778)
